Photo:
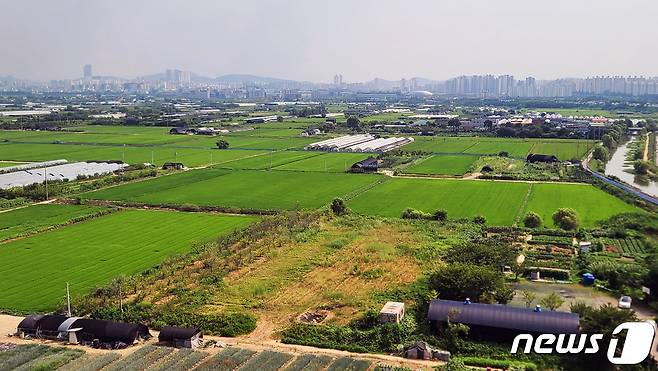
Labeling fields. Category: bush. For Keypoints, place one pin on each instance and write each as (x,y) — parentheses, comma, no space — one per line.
(410,213)
(566,219)
(532,220)
(440,215)
(381,338)
(339,207)
(222,144)
(479,219)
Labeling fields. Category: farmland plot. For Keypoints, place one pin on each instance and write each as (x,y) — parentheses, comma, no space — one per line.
(442,165)
(92,253)
(590,203)
(37,217)
(261,190)
(268,160)
(498,202)
(326,162)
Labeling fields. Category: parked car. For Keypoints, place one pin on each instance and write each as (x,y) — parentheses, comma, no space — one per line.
(625,302)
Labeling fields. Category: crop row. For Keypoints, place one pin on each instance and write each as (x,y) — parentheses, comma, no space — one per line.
(626,245)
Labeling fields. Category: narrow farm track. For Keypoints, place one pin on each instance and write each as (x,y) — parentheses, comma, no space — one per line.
(523,207)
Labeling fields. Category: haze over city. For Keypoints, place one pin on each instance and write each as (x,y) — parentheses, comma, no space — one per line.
(312,41)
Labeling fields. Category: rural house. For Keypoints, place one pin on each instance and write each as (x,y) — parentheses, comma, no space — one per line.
(173,166)
(368,165)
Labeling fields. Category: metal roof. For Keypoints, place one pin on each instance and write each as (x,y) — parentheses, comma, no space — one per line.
(506,317)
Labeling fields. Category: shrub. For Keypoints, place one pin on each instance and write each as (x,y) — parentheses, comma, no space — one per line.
(566,219)
(410,213)
(339,207)
(479,219)
(532,220)
(440,215)
(222,144)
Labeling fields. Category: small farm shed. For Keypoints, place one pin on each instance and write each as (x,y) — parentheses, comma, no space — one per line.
(501,321)
(29,325)
(367,165)
(181,337)
(109,331)
(533,157)
(585,246)
(392,312)
(173,166)
(422,350)
(486,169)
(41,326)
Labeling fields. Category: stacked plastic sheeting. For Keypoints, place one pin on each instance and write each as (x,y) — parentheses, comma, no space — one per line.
(69,171)
(359,143)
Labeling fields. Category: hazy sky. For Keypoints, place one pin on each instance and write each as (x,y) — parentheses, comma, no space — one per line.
(313,40)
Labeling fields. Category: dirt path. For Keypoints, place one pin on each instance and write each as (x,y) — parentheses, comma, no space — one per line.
(645,156)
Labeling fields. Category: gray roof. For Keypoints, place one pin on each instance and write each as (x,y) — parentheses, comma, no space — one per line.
(505,317)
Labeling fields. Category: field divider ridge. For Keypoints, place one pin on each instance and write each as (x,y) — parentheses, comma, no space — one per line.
(523,206)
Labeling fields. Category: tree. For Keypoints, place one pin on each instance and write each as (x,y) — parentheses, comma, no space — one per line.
(504,294)
(279,118)
(608,141)
(491,254)
(528,297)
(440,215)
(641,167)
(464,280)
(566,219)
(601,153)
(518,269)
(552,301)
(339,207)
(532,220)
(222,144)
(505,132)
(353,123)
(454,123)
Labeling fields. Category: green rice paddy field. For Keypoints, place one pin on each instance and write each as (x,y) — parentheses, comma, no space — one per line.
(191,157)
(499,202)
(34,218)
(262,190)
(590,203)
(94,252)
(325,162)
(268,160)
(564,149)
(443,165)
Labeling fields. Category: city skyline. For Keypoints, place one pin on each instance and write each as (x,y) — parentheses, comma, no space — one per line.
(308,41)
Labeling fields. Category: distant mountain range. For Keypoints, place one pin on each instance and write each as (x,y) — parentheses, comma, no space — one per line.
(265,80)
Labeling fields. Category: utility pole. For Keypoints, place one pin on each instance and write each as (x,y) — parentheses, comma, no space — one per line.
(120,299)
(68,299)
(45,178)
(152,159)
